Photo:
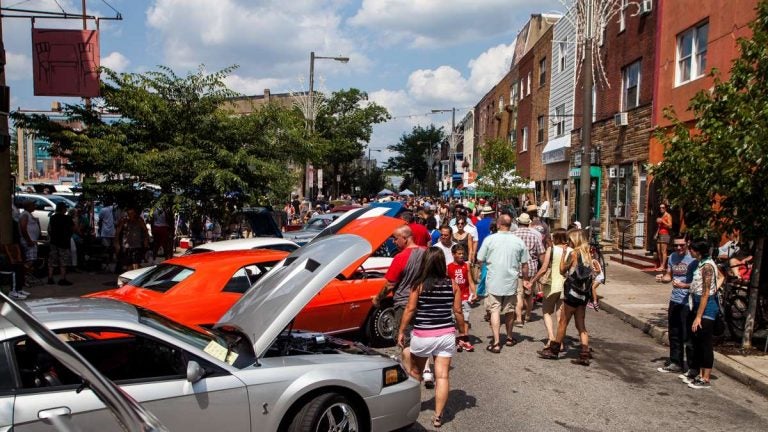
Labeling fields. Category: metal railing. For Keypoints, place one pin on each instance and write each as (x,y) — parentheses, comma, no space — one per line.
(623,242)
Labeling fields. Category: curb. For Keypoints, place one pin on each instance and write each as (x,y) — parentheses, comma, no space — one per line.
(723,363)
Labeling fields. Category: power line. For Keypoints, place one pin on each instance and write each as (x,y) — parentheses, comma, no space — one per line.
(402,116)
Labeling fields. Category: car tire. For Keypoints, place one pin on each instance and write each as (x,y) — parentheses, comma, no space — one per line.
(328,411)
(381,326)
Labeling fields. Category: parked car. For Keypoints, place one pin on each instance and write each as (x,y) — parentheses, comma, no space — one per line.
(312,228)
(225,245)
(194,289)
(250,372)
(45,205)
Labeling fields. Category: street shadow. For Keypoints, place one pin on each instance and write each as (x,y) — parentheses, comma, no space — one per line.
(458,400)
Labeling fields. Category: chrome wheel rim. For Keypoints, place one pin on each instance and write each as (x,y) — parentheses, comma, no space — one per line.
(385,325)
(339,417)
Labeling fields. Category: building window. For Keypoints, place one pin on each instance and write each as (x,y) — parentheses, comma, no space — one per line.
(560,119)
(501,103)
(623,16)
(542,71)
(522,89)
(692,53)
(524,139)
(620,191)
(528,84)
(513,94)
(540,123)
(513,130)
(594,104)
(630,77)
(561,54)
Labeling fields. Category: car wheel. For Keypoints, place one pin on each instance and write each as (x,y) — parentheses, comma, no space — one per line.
(381,326)
(327,412)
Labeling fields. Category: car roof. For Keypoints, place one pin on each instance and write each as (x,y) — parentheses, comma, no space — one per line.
(55,311)
(244,244)
(227,258)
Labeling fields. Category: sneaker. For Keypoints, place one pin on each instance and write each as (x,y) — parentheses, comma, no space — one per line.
(24,293)
(17,295)
(429,380)
(466,346)
(596,306)
(51,281)
(699,383)
(689,376)
(671,368)
(590,305)
(64,282)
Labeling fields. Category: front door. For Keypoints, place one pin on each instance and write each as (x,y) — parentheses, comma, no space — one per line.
(151,371)
(642,202)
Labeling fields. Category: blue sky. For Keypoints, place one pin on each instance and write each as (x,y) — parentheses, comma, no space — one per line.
(410,56)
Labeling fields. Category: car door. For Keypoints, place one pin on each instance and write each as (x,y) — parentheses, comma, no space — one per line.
(150,370)
(7,392)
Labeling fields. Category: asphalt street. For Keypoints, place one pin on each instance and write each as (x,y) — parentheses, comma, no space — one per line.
(620,391)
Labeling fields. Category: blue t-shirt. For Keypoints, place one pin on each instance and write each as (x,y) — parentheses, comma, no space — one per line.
(682,267)
(435,236)
(483,230)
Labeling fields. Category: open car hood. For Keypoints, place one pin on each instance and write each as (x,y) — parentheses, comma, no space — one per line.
(374,229)
(275,300)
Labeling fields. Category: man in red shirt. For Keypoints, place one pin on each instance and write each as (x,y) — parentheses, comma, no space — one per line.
(420,234)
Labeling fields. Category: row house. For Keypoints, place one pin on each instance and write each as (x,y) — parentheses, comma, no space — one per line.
(621,125)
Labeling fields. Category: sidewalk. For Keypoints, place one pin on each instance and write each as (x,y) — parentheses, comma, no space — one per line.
(636,298)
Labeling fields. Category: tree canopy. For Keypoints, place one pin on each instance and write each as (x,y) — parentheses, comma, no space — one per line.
(497,174)
(412,154)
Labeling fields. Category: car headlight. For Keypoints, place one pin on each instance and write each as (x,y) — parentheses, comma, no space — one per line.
(393,375)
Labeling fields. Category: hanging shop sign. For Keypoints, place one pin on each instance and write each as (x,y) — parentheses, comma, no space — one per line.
(65,62)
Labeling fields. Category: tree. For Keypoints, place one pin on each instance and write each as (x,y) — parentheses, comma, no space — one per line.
(498,174)
(718,171)
(412,152)
(172,131)
(344,126)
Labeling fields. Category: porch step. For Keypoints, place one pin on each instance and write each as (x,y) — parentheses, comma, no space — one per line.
(636,259)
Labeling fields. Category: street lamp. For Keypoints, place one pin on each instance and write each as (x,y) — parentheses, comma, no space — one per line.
(311,111)
(452,150)
(368,165)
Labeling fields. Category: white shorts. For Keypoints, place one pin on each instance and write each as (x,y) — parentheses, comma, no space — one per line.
(438,346)
(465,309)
(600,278)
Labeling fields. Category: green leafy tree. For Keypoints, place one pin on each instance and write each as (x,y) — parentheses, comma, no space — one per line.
(718,172)
(173,132)
(344,126)
(497,174)
(412,153)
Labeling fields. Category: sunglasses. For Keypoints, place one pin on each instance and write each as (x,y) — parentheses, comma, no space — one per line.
(677,245)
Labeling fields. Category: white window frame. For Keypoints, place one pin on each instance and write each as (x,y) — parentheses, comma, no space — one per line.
(528,84)
(560,118)
(522,89)
(524,140)
(627,74)
(501,103)
(541,125)
(542,72)
(513,130)
(513,94)
(623,16)
(697,58)
(562,53)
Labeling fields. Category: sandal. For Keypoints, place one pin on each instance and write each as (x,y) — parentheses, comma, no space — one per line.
(510,342)
(437,421)
(494,348)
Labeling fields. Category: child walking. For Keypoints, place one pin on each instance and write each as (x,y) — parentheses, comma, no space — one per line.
(597,270)
(458,272)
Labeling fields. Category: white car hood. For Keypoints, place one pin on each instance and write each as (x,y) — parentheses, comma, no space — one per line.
(275,300)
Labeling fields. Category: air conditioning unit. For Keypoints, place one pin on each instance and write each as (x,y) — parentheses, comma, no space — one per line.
(646,6)
(612,172)
(621,119)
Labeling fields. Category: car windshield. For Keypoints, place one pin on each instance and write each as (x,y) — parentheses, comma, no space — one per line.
(59,199)
(162,277)
(200,338)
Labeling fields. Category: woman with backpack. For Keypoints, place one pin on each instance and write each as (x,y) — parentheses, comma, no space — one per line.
(552,281)
(577,288)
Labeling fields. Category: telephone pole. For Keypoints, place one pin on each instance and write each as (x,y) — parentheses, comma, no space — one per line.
(6,226)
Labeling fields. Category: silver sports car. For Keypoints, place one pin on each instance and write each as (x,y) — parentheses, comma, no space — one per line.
(251,372)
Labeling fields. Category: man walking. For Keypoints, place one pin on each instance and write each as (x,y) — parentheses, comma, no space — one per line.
(445,243)
(401,277)
(60,229)
(535,245)
(680,268)
(507,259)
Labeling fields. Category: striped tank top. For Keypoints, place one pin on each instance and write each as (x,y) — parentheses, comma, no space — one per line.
(434,310)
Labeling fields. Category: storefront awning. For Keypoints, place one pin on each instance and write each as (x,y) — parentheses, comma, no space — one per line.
(554,151)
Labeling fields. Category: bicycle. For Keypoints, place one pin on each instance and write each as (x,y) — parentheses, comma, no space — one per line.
(735,303)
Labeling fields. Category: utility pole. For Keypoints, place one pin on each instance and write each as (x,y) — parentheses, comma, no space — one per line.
(6,226)
(585,201)
(452,141)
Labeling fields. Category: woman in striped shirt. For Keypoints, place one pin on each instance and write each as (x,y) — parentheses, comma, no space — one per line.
(433,305)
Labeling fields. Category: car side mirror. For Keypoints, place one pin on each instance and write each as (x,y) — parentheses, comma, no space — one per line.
(194,371)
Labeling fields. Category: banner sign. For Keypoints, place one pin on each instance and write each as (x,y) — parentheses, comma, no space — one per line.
(65,62)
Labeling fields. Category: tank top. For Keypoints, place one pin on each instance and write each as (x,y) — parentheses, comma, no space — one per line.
(464,241)
(558,280)
(434,310)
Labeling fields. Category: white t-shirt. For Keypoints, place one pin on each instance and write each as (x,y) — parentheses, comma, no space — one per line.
(544,209)
(446,250)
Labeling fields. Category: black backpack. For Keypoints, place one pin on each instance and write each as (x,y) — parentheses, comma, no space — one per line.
(580,279)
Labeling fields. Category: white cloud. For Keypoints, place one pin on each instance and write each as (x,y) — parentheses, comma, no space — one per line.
(18,66)
(271,38)
(489,67)
(253,86)
(430,23)
(115,61)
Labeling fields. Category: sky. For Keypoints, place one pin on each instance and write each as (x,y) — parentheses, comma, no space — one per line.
(410,56)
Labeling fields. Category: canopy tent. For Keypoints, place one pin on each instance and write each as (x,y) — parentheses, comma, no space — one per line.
(406,192)
(512,180)
(385,191)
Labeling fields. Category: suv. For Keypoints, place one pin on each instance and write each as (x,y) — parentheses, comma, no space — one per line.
(45,205)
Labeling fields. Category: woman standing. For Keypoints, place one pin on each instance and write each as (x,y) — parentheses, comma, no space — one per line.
(704,311)
(433,305)
(463,237)
(573,305)
(552,284)
(663,231)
